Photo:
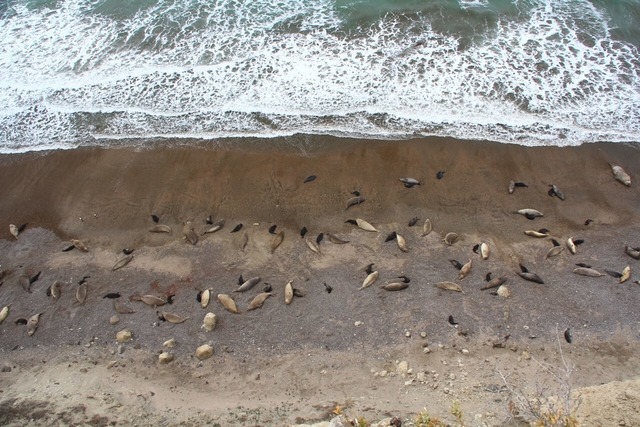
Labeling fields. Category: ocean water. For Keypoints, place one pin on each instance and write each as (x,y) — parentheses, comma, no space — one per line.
(112,72)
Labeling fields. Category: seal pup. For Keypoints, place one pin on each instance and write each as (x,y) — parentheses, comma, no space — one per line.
(127,251)
(81,293)
(247,285)
(237,228)
(440,174)
(515,184)
(189,233)
(79,244)
(355,201)
(327,288)
(203,298)
(209,220)
(369,280)
(465,270)
(26,281)
(452,321)
(228,303)
(32,324)
(336,240)
(214,226)
(395,286)
(555,191)
(4,313)
(155,218)
(542,233)
(530,213)
(451,238)
(391,236)
(363,225)
(484,251)
(311,244)
(288,293)
(626,274)
(54,290)
(409,182)
(449,286)
(555,250)
(171,317)
(14,230)
(319,238)
(632,252)
(122,262)
(413,221)
(151,300)
(310,178)
(272,229)
(571,245)
(303,231)
(402,243)
(493,283)
(567,335)
(620,175)
(258,300)
(112,295)
(160,228)
(427,227)
(404,279)
(529,276)
(277,240)
(589,272)
(122,308)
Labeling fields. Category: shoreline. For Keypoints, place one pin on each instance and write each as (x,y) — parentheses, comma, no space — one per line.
(123,187)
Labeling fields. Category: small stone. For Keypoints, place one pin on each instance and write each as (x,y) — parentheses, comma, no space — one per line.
(446,390)
(513,347)
(383,373)
(408,382)
(165,357)
(402,367)
(440,346)
(525,355)
(6,368)
(452,377)
(358,323)
(423,334)
(124,336)
(421,376)
(114,319)
(120,349)
(203,352)
(169,343)
(426,350)
(464,351)
(257,377)
(112,364)
(407,334)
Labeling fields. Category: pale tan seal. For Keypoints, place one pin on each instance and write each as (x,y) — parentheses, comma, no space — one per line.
(122,262)
(189,233)
(173,318)
(589,272)
(277,241)
(395,286)
(402,243)
(311,244)
(288,293)
(160,228)
(258,300)
(79,244)
(449,286)
(620,175)
(427,227)
(4,313)
(32,324)
(228,303)
(81,293)
(465,270)
(369,280)
(248,284)
(451,238)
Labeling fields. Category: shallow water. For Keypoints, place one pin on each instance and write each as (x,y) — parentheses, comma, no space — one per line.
(110,72)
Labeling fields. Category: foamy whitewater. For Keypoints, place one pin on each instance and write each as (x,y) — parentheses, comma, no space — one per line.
(100,72)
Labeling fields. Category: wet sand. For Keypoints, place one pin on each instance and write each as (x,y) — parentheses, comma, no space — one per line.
(310,354)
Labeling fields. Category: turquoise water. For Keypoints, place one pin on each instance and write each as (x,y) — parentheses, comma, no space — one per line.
(114,72)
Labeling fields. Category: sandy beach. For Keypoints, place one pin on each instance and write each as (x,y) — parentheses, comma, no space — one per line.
(360,350)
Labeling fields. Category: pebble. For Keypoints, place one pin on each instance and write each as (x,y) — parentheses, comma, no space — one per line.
(383,374)
(423,334)
(124,336)
(402,367)
(464,351)
(407,334)
(203,352)
(169,343)
(165,357)
(114,319)
(358,323)
(426,350)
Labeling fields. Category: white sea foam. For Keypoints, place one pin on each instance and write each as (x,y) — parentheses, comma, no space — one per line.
(554,76)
